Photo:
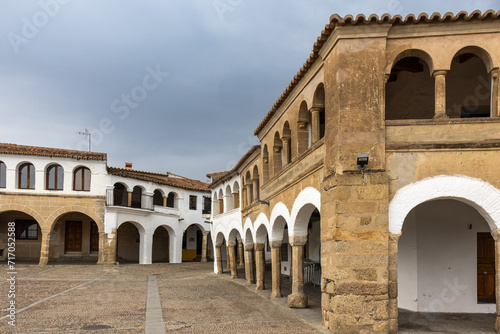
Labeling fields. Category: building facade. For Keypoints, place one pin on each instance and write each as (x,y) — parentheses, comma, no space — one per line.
(380,159)
(69,205)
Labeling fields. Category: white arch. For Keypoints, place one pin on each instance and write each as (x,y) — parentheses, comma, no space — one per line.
(233,225)
(479,194)
(261,221)
(279,210)
(307,197)
(248,226)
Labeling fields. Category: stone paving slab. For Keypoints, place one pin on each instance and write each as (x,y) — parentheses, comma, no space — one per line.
(113,299)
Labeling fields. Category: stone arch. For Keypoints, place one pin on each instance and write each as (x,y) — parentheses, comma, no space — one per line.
(303,128)
(27,210)
(200,226)
(279,210)
(411,53)
(248,237)
(233,226)
(219,237)
(54,216)
(265,164)
(479,194)
(306,202)
(410,92)
(479,52)
(262,228)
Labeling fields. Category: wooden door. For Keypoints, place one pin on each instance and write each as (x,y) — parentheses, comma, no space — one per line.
(485,268)
(94,237)
(73,236)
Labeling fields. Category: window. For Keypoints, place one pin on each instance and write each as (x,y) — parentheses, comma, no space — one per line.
(207,204)
(81,179)
(26,229)
(171,200)
(26,176)
(157,198)
(55,178)
(3,172)
(192,202)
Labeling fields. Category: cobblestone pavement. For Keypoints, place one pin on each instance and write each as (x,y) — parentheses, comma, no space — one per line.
(113,299)
(175,298)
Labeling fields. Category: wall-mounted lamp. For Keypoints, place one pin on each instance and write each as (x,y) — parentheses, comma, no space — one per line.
(362,161)
(262,202)
(208,222)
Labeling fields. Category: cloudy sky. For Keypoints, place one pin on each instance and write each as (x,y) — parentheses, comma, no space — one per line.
(168,85)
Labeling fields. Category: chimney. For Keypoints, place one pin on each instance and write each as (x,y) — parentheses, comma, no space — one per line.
(128,165)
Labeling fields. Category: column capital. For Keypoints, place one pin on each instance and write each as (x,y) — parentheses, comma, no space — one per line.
(394,237)
(205,233)
(302,124)
(276,243)
(231,244)
(315,109)
(248,248)
(218,245)
(439,72)
(258,246)
(496,235)
(494,73)
(298,240)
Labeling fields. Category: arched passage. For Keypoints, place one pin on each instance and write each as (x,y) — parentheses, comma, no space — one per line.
(128,242)
(75,235)
(444,220)
(192,242)
(161,244)
(28,235)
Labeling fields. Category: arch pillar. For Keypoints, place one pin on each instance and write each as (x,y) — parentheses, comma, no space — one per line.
(286,149)
(260,266)
(276,269)
(240,254)
(146,248)
(44,251)
(231,245)
(204,245)
(393,282)
(249,264)
(496,237)
(249,193)
(298,298)
(218,256)
(440,94)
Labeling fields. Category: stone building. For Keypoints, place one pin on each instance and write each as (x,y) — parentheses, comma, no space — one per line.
(69,205)
(386,146)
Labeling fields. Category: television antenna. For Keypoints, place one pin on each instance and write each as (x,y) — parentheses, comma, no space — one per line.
(88,135)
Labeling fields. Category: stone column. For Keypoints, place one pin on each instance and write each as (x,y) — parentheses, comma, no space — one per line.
(204,245)
(44,252)
(255,187)
(218,256)
(315,124)
(101,257)
(249,194)
(286,150)
(260,266)
(276,268)
(231,245)
(496,237)
(164,201)
(240,254)
(249,264)
(495,94)
(228,262)
(393,283)
(440,94)
(129,199)
(243,196)
(236,200)
(298,298)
